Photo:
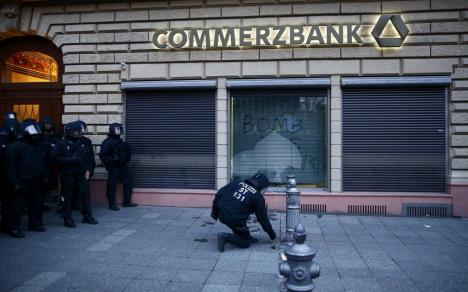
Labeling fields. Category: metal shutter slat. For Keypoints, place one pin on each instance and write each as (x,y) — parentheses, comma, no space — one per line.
(394,139)
(172,134)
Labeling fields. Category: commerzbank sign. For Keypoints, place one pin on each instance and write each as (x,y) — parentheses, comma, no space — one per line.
(280,36)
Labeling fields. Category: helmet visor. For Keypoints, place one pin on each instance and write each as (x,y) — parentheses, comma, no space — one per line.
(76,132)
(11,116)
(117,131)
(32,130)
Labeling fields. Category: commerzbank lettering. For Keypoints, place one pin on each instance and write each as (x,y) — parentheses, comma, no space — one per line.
(259,36)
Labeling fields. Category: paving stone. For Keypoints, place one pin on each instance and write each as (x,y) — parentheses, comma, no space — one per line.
(153,249)
(249,288)
(183,287)
(44,279)
(138,285)
(259,279)
(225,277)
(220,288)
(361,284)
(390,285)
(231,265)
(191,276)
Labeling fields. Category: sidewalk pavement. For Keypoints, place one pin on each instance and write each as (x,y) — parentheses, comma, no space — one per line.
(174,249)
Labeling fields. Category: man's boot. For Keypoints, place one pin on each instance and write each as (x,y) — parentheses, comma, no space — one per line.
(130,204)
(67,220)
(38,228)
(114,207)
(88,219)
(253,240)
(16,233)
(112,204)
(221,241)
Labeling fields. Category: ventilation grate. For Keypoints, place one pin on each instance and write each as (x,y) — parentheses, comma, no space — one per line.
(427,210)
(367,209)
(313,208)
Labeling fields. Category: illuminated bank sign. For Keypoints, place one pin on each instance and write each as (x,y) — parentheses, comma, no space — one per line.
(278,36)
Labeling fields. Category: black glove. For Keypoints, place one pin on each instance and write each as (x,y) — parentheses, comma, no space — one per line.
(272,235)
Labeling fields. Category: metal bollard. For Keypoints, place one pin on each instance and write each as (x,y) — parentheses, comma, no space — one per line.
(293,207)
(299,268)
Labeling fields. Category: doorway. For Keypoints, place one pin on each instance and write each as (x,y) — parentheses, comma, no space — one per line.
(31,80)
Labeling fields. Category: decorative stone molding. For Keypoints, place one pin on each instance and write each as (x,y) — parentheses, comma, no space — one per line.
(11,12)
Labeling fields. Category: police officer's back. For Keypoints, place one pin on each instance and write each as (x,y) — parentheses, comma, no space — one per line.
(234,203)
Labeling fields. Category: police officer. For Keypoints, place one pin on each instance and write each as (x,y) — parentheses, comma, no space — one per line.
(24,172)
(90,161)
(71,154)
(50,137)
(7,136)
(115,154)
(233,205)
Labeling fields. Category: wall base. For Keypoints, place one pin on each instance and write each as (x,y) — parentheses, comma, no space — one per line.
(460,199)
(370,203)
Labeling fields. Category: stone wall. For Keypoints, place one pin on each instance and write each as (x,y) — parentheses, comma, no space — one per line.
(97,38)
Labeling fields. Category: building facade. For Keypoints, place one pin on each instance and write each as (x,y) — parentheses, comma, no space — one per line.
(365,102)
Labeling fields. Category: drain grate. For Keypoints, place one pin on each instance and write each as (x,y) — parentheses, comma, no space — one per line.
(367,209)
(427,210)
(314,208)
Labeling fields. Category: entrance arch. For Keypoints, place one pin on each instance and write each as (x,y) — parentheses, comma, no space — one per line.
(31,71)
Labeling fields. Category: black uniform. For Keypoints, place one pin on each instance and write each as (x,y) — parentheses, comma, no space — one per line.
(116,154)
(50,137)
(72,156)
(234,203)
(24,173)
(7,137)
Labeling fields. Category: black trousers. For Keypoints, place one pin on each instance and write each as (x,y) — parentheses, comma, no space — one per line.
(29,196)
(241,234)
(81,184)
(4,194)
(116,174)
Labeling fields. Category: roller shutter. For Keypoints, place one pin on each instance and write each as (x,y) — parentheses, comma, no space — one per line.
(172,134)
(394,139)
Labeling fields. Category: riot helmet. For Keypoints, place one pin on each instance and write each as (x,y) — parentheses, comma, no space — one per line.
(115,129)
(47,124)
(10,116)
(259,181)
(73,130)
(84,127)
(11,127)
(30,129)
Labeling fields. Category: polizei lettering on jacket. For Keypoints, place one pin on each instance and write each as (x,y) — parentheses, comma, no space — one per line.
(259,36)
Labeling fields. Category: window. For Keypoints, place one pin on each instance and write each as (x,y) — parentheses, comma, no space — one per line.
(28,66)
(279,133)
(27,111)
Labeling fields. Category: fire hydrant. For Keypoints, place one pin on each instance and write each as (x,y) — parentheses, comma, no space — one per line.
(299,268)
